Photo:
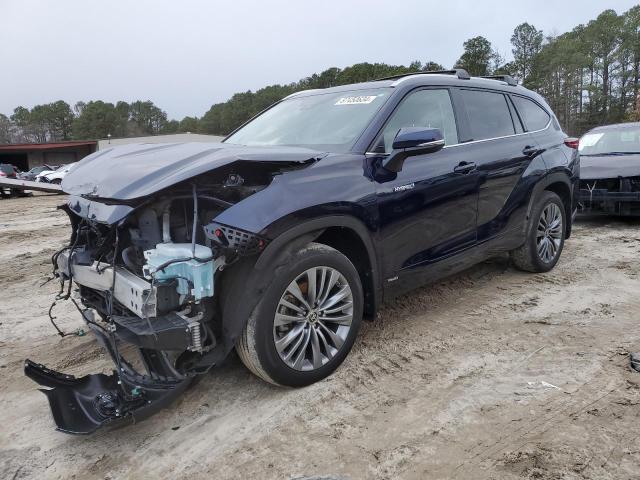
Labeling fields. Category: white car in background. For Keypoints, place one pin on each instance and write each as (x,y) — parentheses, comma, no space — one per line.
(55,176)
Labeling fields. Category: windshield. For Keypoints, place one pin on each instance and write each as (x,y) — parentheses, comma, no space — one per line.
(611,142)
(329,121)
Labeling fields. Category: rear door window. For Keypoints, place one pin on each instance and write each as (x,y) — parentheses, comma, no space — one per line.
(488,114)
(533,115)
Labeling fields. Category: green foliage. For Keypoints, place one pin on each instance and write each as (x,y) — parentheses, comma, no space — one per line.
(59,119)
(43,123)
(5,129)
(145,118)
(97,119)
(172,126)
(527,43)
(477,56)
(188,124)
(590,75)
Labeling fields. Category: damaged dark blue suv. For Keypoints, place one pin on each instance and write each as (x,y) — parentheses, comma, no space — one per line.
(280,240)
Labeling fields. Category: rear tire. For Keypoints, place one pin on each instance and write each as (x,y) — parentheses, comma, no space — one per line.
(545,235)
(296,339)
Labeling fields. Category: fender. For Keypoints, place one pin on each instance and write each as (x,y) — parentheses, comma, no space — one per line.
(542,184)
(309,230)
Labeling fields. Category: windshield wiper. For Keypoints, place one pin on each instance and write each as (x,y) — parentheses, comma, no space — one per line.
(608,154)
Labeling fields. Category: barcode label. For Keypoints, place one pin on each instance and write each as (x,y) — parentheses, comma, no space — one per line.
(360,100)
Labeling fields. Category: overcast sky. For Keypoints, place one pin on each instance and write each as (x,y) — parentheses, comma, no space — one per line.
(185,55)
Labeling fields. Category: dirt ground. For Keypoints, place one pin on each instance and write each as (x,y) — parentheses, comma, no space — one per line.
(491,374)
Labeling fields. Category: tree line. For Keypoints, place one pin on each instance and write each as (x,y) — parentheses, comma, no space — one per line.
(58,121)
(590,76)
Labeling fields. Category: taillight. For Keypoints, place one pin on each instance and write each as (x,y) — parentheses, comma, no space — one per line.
(572,142)
(2,174)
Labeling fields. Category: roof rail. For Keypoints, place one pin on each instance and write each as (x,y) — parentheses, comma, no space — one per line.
(459,72)
(504,78)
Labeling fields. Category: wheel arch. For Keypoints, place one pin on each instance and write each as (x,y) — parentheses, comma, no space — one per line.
(560,184)
(346,234)
(562,189)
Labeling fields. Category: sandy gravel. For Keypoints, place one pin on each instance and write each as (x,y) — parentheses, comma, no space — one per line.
(491,374)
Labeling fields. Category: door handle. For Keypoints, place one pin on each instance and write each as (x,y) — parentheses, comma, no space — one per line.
(465,167)
(530,151)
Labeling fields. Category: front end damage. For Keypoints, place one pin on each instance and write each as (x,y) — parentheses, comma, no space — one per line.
(147,286)
(610,196)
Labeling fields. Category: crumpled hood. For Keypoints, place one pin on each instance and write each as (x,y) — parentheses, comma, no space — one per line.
(609,166)
(133,171)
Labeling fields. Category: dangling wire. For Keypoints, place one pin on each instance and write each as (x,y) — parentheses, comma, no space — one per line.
(110,298)
(59,295)
(52,320)
(70,262)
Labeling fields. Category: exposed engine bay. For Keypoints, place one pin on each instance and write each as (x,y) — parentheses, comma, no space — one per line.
(147,284)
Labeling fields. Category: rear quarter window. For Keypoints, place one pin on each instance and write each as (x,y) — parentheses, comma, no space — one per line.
(488,114)
(532,114)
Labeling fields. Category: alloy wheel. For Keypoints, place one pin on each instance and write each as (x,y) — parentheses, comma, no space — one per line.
(549,233)
(313,318)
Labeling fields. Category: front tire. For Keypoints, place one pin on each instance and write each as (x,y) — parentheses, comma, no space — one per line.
(305,324)
(546,232)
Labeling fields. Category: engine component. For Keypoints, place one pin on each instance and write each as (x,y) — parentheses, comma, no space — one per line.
(147,235)
(233,180)
(171,332)
(132,258)
(195,331)
(130,290)
(194,273)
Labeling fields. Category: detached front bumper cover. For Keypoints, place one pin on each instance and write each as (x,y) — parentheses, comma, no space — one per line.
(82,405)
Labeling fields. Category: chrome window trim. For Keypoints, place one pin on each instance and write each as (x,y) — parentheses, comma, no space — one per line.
(433,143)
(500,138)
(375,154)
(372,154)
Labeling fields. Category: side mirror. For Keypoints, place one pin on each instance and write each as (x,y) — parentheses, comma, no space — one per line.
(411,141)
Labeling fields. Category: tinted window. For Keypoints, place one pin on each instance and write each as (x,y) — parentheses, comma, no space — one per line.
(533,115)
(488,114)
(516,120)
(424,108)
(325,121)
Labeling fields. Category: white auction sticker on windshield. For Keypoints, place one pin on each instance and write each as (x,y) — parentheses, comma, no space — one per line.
(358,100)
